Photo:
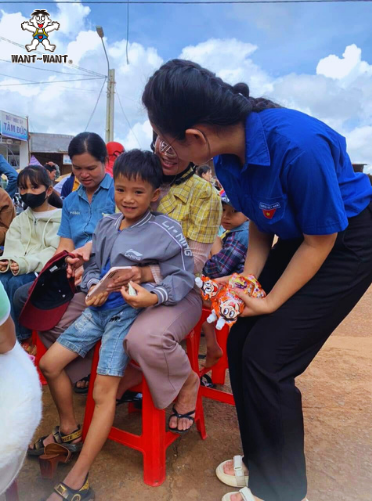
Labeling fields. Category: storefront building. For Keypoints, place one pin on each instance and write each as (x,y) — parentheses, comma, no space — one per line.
(14,139)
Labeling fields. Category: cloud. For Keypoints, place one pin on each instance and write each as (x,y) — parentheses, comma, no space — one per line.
(230,60)
(338,90)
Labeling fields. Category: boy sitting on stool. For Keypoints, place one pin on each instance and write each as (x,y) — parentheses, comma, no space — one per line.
(137,237)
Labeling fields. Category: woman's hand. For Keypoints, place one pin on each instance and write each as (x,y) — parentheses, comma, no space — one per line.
(143,299)
(98,300)
(131,275)
(255,306)
(81,256)
(222,280)
(3,265)
(14,267)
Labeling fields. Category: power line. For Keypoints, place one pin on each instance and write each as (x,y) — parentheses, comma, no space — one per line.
(41,69)
(126,118)
(95,106)
(186,2)
(36,82)
(75,66)
(32,82)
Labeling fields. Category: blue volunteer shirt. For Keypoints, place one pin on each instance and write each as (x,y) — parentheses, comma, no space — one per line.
(297,178)
(80,218)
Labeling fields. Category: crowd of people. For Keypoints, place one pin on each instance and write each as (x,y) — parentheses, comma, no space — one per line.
(161,218)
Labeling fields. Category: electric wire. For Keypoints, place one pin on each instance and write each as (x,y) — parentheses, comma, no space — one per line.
(41,69)
(50,82)
(95,106)
(126,118)
(75,66)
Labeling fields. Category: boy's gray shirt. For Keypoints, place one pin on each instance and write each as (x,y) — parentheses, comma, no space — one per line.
(155,239)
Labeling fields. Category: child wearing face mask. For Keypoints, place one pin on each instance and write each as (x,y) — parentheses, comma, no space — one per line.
(32,236)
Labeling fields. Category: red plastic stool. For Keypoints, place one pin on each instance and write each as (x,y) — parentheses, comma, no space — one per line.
(12,493)
(219,369)
(154,440)
(40,351)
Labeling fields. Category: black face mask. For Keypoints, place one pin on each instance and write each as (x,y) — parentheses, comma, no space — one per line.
(34,201)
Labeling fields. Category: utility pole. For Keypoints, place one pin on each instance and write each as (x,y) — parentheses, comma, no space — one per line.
(110,107)
(110,102)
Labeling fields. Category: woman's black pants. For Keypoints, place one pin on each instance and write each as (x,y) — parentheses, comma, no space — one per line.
(266,354)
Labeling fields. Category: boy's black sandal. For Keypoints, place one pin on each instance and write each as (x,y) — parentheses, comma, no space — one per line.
(59,438)
(85,493)
(187,415)
(82,390)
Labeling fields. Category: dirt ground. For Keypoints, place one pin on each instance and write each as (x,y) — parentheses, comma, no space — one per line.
(337,399)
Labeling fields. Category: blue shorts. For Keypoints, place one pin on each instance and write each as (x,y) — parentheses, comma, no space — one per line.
(110,326)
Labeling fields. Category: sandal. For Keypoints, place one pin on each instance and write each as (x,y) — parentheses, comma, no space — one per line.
(245,492)
(83,390)
(187,415)
(54,454)
(130,396)
(59,438)
(246,495)
(85,493)
(240,479)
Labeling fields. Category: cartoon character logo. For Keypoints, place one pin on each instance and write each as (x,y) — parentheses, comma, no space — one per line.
(40,25)
(229,309)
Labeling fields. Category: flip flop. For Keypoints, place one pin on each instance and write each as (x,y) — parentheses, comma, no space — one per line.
(240,479)
(187,415)
(83,390)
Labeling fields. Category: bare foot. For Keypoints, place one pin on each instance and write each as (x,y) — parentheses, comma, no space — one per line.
(186,402)
(213,356)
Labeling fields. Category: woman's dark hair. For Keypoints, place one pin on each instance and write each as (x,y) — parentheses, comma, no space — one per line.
(88,142)
(182,94)
(139,164)
(36,175)
(203,169)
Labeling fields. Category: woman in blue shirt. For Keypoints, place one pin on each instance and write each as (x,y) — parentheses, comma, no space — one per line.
(291,175)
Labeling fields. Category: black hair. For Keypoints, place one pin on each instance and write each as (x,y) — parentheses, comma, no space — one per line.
(139,164)
(36,175)
(88,142)
(182,94)
(41,12)
(50,168)
(203,169)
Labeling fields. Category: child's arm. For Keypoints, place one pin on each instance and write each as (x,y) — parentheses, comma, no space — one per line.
(13,244)
(27,263)
(177,271)
(92,269)
(216,247)
(228,260)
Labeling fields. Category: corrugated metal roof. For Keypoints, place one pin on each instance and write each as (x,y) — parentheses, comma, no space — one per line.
(49,143)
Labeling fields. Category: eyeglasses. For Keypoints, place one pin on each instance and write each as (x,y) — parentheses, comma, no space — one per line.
(165,148)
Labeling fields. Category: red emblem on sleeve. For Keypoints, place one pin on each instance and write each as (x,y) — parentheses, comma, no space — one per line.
(269,214)
(268,210)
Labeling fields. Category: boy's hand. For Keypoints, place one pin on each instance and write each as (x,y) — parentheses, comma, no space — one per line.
(14,267)
(3,265)
(132,275)
(143,299)
(81,256)
(78,275)
(98,300)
